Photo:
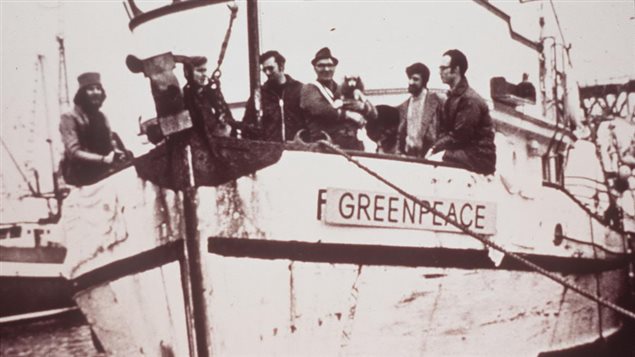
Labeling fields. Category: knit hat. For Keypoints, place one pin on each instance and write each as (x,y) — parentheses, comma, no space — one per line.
(88,78)
(324,53)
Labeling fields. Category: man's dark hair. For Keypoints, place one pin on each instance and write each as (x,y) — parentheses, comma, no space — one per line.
(280,60)
(421,69)
(190,63)
(457,59)
(81,98)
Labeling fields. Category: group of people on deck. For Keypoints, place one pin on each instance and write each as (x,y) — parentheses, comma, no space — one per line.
(457,130)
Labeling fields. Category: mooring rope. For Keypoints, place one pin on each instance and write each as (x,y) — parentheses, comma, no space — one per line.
(481,238)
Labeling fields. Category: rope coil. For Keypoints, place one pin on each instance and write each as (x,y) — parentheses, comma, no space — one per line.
(483,239)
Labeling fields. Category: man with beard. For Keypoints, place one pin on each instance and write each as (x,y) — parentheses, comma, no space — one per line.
(418,115)
(324,113)
(466,133)
(90,145)
(276,105)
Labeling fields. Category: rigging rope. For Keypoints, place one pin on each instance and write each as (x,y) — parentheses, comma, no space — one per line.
(481,238)
(592,244)
(224,113)
(564,43)
(234,10)
(17,166)
(598,155)
(597,278)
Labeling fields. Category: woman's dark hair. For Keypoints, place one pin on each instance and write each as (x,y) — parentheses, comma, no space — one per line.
(188,66)
(81,97)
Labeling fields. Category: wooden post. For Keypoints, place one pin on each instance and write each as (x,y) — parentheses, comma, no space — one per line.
(253,40)
(194,263)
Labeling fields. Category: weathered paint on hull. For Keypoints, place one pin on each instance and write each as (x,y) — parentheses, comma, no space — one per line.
(283,307)
(291,305)
(310,306)
(140,314)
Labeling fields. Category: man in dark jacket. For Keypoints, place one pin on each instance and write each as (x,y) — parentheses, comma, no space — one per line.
(202,103)
(273,112)
(466,132)
(90,147)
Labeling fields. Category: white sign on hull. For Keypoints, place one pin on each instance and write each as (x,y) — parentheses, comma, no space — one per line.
(380,209)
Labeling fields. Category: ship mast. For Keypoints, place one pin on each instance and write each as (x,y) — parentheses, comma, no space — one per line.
(191,269)
(253,40)
(53,217)
(62,79)
(34,190)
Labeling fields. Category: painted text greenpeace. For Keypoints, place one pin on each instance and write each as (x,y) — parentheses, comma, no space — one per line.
(373,209)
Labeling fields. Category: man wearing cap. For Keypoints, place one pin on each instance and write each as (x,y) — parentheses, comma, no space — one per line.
(89,143)
(273,113)
(324,113)
(466,132)
(418,115)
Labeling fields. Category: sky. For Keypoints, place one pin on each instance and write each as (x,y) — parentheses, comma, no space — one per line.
(375,39)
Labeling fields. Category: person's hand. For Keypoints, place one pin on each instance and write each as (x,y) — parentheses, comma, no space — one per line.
(438,157)
(354,105)
(109,159)
(361,122)
(428,153)
(624,172)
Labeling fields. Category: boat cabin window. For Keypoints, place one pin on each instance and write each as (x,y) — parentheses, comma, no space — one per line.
(552,169)
(10,232)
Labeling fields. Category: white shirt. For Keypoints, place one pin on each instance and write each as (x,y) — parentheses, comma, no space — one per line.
(414,120)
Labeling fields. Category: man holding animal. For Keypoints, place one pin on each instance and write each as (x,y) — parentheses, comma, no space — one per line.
(326,113)
(273,112)
(418,115)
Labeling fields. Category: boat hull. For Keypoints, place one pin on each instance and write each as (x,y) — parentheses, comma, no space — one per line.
(22,294)
(278,278)
(140,312)
(270,305)
(32,272)
(287,307)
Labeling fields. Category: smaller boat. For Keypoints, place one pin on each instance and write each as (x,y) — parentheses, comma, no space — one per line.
(32,247)
(32,270)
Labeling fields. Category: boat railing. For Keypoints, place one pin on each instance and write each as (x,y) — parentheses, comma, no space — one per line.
(293,146)
(138,16)
(116,168)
